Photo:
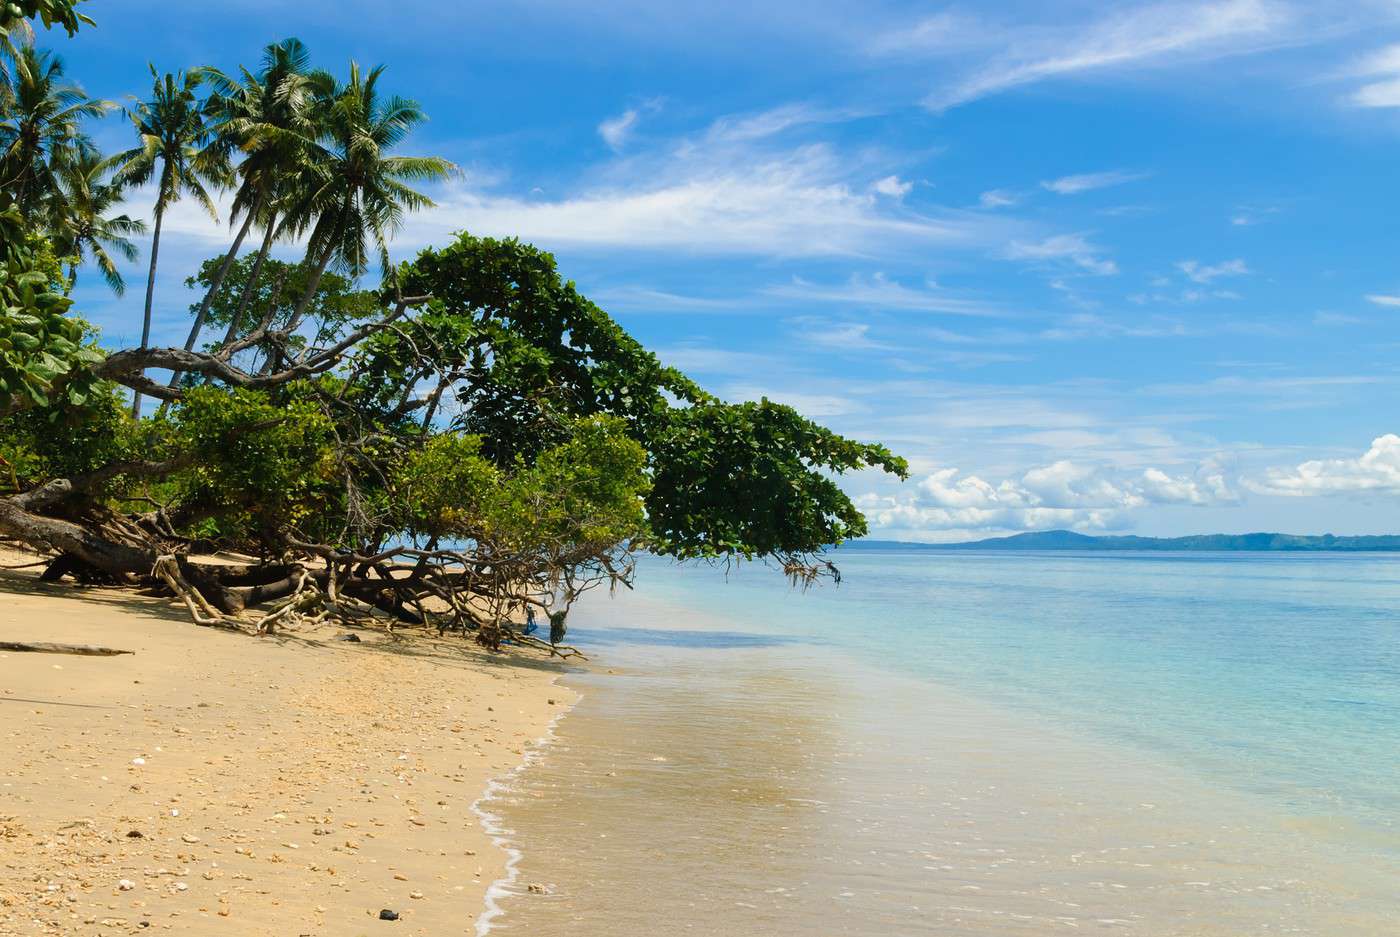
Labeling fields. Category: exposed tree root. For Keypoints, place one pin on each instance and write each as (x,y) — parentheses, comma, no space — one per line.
(167,568)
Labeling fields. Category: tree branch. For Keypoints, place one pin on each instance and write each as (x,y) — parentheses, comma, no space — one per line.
(128,367)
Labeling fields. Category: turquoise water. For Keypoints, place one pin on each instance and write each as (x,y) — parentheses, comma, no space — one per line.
(976,745)
(1278,674)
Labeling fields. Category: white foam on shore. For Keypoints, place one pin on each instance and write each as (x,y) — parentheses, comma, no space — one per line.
(501,835)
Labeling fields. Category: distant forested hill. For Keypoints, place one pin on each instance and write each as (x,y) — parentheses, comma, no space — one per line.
(1068,540)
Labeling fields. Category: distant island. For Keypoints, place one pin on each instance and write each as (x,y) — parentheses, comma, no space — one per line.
(1069,540)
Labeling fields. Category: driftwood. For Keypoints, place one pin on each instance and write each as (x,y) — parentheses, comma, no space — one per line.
(41,647)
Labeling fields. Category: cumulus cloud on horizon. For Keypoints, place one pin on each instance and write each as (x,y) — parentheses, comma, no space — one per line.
(1062,494)
(1376,470)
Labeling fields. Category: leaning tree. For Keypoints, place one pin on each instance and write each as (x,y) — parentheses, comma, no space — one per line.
(471,442)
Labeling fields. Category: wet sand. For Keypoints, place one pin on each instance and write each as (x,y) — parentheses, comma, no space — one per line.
(215,783)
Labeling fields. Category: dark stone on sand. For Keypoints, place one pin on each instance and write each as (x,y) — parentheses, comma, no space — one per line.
(387,915)
(352,638)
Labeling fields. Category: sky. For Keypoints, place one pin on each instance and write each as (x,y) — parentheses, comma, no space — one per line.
(1110,267)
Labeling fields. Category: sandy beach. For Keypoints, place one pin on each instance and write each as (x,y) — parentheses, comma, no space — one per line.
(216,783)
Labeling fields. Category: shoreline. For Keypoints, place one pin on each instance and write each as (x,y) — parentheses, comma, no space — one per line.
(866,801)
(218,783)
(502,837)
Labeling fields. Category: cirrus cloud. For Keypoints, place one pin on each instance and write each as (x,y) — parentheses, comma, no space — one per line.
(1089,181)
(1136,36)
(1072,248)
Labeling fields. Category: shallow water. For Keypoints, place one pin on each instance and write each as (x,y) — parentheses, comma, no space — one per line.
(978,744)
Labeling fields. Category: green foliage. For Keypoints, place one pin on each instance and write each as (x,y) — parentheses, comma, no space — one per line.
(265,117)
(42,348)
(440,490)
(61,13)
(533,351)
(751,480)
(352,194)
(174,147)
(534,354)
(64,439)
(335,303)
(583,495)
(259,465)
(41,128)
(81,217)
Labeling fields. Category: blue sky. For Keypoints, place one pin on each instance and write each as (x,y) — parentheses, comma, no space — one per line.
(1115,267)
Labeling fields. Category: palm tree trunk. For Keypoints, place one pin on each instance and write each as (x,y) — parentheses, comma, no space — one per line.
(21,191)
(150,295)
(251,286)
(311,285)
(315,279)
(312,282)
(72,279)
(214,287)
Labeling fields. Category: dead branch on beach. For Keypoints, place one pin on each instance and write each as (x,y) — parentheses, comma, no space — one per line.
(43,647)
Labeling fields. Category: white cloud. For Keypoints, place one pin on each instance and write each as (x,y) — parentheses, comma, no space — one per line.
(720,193)
(1208,486)
(616,130)
(1198,272)
(942,32)
(1142,35)
(839,336)
(647,299)
(818,406)
(707,359)
(1087,182)
(1383,299)
(1384,65)
(762,125)
(184,220)
(998,198)
(737,187)
(775,209)
(893,186)
(881,292)
(1073,248)
(1062,494)
(1249,215)
(1328,319)
(1377,470)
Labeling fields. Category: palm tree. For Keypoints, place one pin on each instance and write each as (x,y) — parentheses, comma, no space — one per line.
(81,226)
(174,151)
(354,195)
(264,115)
(40,127)
(15,16)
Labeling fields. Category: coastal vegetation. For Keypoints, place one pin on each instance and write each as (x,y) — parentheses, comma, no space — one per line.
(463,444)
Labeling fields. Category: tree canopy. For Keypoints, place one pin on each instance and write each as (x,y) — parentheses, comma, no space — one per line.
(469,439)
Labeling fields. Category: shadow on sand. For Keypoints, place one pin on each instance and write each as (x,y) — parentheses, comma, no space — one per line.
(462,650)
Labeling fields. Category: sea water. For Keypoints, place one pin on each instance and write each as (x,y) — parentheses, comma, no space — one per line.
(977,743)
